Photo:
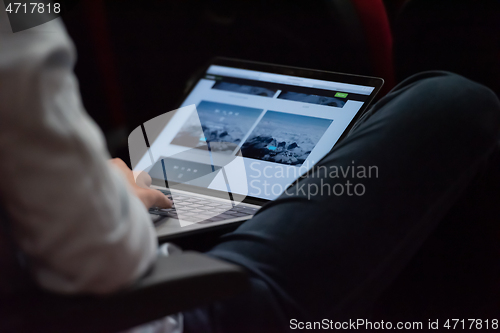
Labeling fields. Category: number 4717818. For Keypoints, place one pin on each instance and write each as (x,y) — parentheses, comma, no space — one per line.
(33,8)
(478,324)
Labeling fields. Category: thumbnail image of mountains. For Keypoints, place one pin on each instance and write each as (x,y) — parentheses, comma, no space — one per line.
(223,126)
(284,138)
(244,89)
(313,99)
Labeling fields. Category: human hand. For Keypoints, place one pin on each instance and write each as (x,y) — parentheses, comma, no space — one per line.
(141,186)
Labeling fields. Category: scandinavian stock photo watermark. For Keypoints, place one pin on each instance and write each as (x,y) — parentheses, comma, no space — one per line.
(332,180)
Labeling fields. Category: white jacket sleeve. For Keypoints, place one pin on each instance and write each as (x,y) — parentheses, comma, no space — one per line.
(73,215)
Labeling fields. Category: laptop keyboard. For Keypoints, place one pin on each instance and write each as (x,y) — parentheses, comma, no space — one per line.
(192,209)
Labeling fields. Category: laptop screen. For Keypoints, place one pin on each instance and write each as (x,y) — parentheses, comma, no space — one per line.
(278,126)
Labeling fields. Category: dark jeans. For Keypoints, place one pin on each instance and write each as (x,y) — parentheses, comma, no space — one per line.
(423,240)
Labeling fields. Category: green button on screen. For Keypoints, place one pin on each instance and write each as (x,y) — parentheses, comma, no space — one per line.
(341,95)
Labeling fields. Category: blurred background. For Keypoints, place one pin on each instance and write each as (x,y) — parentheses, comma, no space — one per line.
(137,58)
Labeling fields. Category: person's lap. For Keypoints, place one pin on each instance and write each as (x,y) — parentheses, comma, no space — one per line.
(337,256)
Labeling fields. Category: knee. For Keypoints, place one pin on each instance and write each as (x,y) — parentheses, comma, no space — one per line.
(460,101)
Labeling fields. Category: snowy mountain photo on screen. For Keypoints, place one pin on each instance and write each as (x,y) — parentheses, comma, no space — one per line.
(284,138)
(223,126)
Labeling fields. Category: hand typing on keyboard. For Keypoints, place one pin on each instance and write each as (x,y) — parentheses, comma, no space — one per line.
(141,186)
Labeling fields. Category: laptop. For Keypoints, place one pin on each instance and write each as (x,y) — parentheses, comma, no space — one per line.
(244,133)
